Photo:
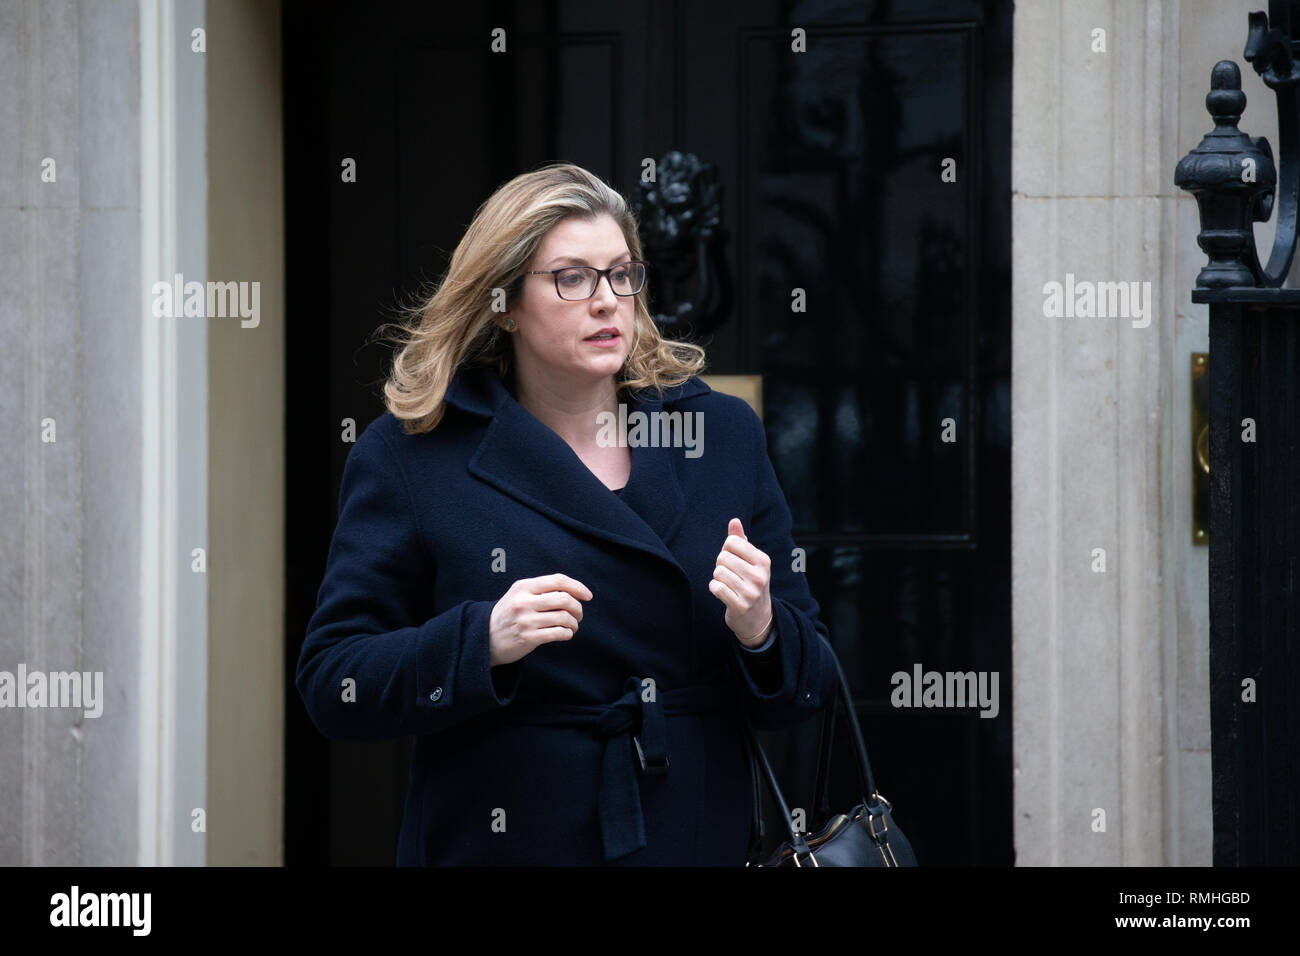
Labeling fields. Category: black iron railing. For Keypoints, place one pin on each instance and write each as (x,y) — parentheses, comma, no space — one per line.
(1254,375)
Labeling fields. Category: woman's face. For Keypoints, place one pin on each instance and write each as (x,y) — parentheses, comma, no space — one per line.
(552,335)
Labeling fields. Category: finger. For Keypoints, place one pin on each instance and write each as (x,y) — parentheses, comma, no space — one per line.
(743,548)
(747,570)
(555,601)
(547,619)
(735,527)
(725,595)
(549,634)
(737,585)
(573,606)
(559,582)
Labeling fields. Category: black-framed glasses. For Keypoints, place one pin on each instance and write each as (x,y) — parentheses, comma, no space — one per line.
(579,282)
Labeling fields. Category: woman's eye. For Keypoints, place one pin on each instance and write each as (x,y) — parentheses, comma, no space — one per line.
(571,278)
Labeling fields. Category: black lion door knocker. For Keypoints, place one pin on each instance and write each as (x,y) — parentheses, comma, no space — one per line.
(680,217)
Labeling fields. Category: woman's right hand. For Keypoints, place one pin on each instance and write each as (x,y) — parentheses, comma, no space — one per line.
(534,611)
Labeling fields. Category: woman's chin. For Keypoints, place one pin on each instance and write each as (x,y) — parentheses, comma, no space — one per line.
(602,365)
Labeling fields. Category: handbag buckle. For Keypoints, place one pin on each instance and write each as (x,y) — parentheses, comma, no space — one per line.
(800,845)
(881,839)
(811,856)
(871,825)
(653,769)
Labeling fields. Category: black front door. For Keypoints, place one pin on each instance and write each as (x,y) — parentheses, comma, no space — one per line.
(863,155)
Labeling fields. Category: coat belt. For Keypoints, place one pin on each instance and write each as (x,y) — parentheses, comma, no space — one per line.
(635,739)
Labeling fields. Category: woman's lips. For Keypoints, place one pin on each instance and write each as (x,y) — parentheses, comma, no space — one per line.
(608,343)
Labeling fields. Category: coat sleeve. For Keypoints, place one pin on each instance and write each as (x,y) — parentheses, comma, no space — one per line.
(796,677)
(411,673)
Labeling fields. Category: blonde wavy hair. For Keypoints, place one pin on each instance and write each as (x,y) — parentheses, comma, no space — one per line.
(453,326)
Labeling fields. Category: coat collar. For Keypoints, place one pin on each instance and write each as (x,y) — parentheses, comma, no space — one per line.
(523,458)
(479,389)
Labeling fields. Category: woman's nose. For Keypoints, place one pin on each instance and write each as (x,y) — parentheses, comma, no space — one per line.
(604,296)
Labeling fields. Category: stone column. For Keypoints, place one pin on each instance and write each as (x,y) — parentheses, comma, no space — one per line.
(70,423)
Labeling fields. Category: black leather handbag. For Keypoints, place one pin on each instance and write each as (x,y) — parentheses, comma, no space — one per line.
(865,836)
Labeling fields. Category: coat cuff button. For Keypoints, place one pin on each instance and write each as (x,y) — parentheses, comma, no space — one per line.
(807,695)
(436,694)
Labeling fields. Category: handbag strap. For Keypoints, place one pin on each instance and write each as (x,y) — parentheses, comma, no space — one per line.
(821,793)
(758,759)
(822,788)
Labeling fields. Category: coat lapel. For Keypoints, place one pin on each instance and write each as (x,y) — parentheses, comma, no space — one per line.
(523,458)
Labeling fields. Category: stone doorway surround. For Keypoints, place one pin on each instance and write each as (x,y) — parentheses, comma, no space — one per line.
(1111,667)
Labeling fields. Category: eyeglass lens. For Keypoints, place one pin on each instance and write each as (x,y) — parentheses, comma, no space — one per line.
(579,282)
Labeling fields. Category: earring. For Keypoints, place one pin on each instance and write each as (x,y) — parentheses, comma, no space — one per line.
(510,325)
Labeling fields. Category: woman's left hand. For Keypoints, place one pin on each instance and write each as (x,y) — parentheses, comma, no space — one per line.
(740,581)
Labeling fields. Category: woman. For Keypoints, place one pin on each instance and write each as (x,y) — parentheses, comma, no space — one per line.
(569,615)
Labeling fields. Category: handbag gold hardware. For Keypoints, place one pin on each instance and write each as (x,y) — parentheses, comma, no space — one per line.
(837,823)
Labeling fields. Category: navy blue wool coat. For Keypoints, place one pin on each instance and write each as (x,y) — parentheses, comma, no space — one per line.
(540,762)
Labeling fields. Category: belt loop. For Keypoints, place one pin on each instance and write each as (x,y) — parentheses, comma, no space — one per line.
(650,768)
(651,743)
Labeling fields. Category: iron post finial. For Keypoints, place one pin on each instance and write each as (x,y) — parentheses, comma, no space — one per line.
(1233,178)
(1225,101)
